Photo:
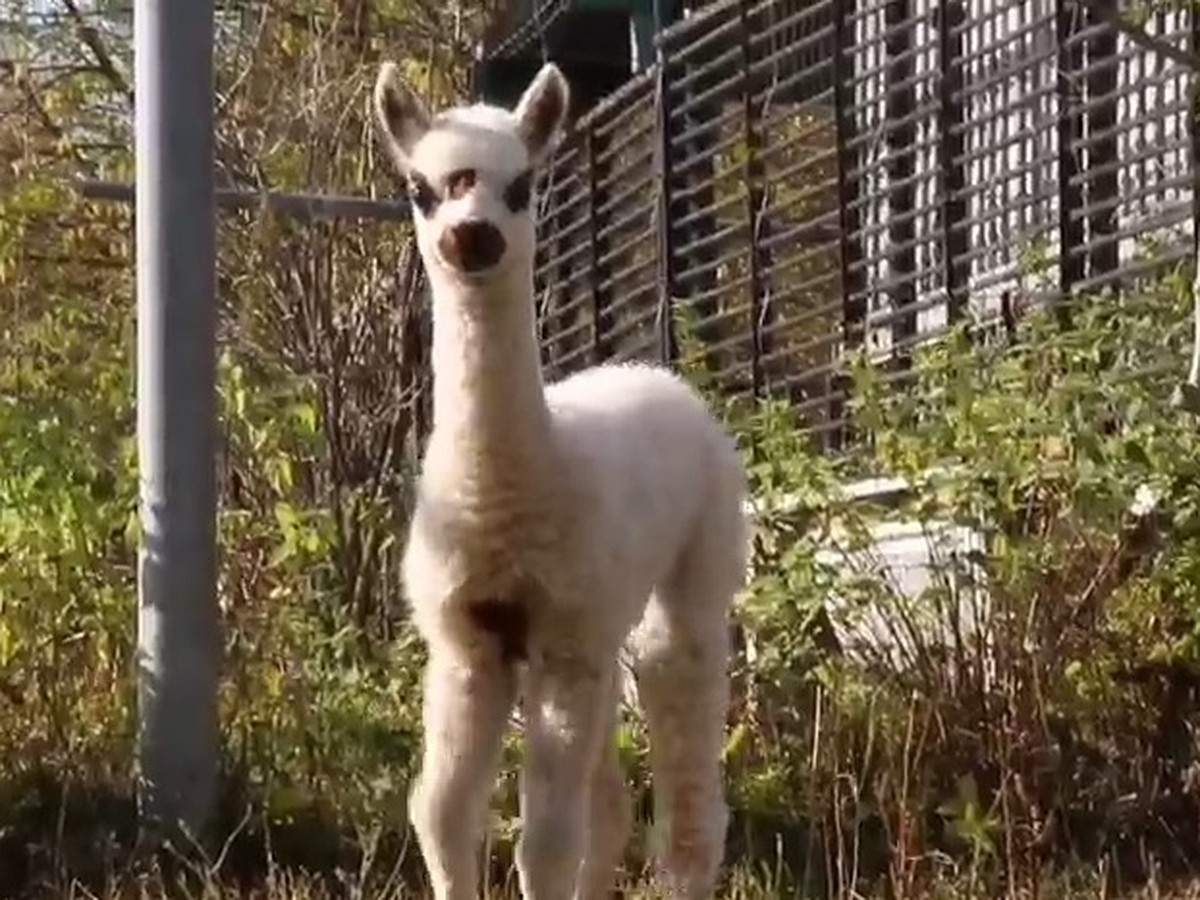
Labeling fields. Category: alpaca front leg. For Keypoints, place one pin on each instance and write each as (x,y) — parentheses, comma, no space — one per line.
(566,715)
(610,817)
(466,710)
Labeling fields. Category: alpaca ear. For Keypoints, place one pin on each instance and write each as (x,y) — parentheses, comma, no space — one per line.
(400,116)
(542,109)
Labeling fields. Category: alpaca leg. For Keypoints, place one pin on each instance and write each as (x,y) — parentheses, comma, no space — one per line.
(683,685)
(565,719)
(611,813)
(467,706)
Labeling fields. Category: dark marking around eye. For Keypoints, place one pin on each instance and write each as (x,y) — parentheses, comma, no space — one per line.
(459,183)
(516,195)
(422,194)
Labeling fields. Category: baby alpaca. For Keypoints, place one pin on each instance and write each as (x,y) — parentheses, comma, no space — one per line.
(553,526)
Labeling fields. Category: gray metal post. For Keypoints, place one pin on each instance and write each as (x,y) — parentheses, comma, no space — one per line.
(178,638)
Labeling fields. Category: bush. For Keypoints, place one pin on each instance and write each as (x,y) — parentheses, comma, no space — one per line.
(1033,701)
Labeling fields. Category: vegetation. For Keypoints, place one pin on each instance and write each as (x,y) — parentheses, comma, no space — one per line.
(1021,725)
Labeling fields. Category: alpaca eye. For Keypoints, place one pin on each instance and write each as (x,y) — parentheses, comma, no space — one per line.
(516,195)
(422,194)
(459,183)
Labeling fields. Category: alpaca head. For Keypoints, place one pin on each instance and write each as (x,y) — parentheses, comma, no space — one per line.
(470,172)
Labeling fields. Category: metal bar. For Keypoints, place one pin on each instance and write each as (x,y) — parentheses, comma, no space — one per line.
(850,249)
(568,217)
(556,247)
(1193,95)
(1070,127)
(598,150)
(753,177)
(694,141)
(178,627)
(299,206)
(667,343)
(1187,392)
(900,104)
(952,14)
(1104,189)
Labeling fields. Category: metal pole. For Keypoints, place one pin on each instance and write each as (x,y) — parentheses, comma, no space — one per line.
(178,639)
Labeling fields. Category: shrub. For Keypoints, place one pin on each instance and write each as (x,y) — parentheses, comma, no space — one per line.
(1032,700)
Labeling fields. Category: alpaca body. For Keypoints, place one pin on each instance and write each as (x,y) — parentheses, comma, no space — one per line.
(552,526)
(631,474)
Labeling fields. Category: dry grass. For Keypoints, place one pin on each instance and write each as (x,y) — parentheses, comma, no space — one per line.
(743,884)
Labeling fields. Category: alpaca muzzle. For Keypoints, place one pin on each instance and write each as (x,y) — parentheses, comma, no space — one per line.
(472,246)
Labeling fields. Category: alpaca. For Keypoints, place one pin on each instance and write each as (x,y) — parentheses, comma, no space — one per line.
(554,526)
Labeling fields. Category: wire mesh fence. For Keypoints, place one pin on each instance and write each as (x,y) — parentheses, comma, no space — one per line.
(797,180)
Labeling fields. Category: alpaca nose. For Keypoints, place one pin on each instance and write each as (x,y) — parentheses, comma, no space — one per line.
(472,246)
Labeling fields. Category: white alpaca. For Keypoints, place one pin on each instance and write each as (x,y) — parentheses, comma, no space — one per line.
(553,526)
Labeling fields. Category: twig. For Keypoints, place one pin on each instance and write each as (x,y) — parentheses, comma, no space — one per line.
(104,61)
(1138,35)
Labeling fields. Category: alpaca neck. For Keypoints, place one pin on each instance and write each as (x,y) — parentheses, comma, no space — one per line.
(488,395)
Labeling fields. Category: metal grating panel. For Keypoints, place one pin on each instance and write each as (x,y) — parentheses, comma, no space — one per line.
(797,179)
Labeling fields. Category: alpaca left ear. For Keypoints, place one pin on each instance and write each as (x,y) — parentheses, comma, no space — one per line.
(542,110)
(400,116)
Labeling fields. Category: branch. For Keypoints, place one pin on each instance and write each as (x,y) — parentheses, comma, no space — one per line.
(38,109)
(1189,59)
(104,61)
(35,106)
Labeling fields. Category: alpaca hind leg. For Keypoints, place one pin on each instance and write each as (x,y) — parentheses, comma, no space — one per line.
(466,711)
(610,816)
(566,715)
(682,647)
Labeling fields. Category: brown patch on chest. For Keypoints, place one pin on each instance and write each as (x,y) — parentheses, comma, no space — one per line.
(507,621)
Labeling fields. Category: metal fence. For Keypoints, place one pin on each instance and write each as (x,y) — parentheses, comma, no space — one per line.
(795,180)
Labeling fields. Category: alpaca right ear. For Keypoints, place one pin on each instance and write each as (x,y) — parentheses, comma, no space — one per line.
(400,115)
(542,110)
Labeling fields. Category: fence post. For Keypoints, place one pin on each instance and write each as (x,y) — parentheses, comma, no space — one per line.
(951,120)
(668,344)
(753,177)
(178,638)
(1103,195)
(597,163)
(556,294)
(850,255)
(1070,194)
(900,108)
(1194,134)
